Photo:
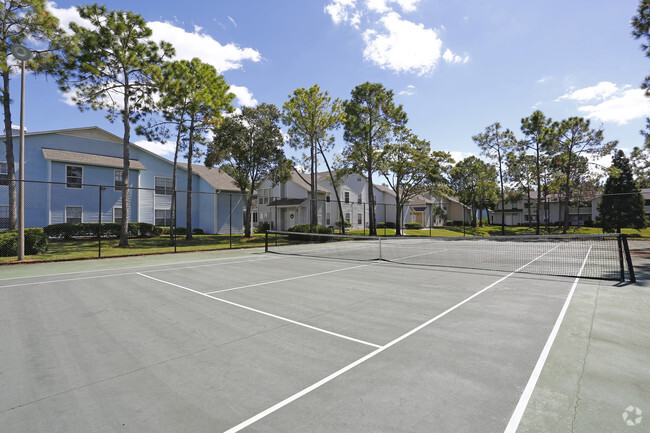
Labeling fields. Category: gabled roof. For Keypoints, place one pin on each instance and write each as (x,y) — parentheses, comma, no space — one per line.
(216,177)
(298,179)
(89,159)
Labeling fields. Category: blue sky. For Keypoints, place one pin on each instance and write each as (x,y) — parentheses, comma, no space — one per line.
(456,67)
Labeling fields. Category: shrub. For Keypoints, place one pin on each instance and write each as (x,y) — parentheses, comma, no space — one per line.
(180,231)
(262,228)
(70,230)
(412,226)
(386,225)
(198,231)
(307,228)
(347,224)
(35,242)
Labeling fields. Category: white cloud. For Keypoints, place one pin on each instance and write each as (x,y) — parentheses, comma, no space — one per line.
(450,57)
(197,44)
(244,96)
(410,90)
(232,20)
(344,11)
(381,6)
(608,102)
(459,156)
(166,150)
(403,47)
(393,43)
(67,16)
(602,90)
(621,108)
(543,80)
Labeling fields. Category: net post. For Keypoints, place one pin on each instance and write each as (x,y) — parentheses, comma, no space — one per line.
(620,256)
(380,258)
(628,258)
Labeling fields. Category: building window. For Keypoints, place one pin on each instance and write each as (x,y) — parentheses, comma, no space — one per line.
(254,217)
(117,180)
(359,199)
(347,197)
(328,199)
(162,218)
(359,220)
(73,176)
(328,221)
(4,175)
(4,217)
(164,185)
(73,214)
(117,215)
(347,216)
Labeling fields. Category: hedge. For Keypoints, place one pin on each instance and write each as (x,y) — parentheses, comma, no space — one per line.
(35,242)
(71,230)
(308,228)
(412,226)
(347,224)
(385,225)
(262,228)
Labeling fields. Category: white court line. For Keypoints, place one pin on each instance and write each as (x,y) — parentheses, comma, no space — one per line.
(418,255)
(518,413)
(263,312)
(348,367)
(143,268)
(285,279)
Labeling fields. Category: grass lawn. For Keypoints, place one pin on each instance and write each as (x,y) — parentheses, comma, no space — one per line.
(75,249)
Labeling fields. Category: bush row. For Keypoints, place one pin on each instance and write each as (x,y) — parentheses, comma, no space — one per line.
(35,242)
(412,226)
(385,225)
(308,228)
(70,230)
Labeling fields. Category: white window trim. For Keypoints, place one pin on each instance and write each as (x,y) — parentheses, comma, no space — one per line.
(164,210)
(68,207)
(82,176)
(114,173)
(162,177)
(116,207)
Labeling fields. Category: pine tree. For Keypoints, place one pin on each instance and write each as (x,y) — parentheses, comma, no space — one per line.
(622,203)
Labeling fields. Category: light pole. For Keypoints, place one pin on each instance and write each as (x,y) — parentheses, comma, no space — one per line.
(23,54)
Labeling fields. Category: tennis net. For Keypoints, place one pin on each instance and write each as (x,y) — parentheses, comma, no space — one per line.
(598,256)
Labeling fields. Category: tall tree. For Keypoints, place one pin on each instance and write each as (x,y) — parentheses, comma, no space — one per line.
(111,67)
(641,30)
(574,138)
(536,132)
(522,171)
(310,115)
(640,162)
(371,117)
(192,97)
(622,204)
(496,143)
(410,168)
(21,22)
(474,182)
(249,147)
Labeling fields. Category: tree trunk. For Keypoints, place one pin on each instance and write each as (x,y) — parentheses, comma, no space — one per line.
(567,195)
(539,188)
(172,212)
(126,120)
(190,156)
(530,220)
(313,218)
(9,146)
(372,229)
(503,210)
(247,220)
(335,188)
(398,215)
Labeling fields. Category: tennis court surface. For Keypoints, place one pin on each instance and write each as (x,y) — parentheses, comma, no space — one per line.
(261,342)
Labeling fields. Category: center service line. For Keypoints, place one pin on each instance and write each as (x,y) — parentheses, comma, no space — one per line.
(304,325)
(348,367)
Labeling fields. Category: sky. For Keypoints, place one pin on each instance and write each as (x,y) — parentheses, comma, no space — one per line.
(455,66)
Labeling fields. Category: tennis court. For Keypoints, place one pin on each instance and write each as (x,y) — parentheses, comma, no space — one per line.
(254,341)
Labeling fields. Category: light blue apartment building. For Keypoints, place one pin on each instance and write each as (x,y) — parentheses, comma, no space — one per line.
(65,169)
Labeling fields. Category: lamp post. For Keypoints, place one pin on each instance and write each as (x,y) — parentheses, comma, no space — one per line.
(23,54)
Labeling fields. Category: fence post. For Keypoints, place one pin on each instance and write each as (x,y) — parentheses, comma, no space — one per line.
(230,218)
(430,218)
(173,228)
(99,229)
(364,219)
(385,219)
